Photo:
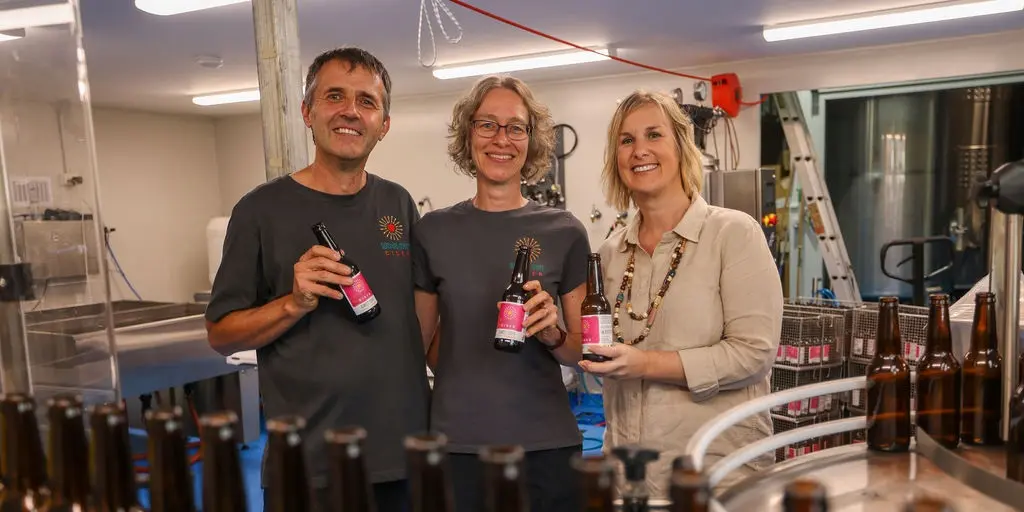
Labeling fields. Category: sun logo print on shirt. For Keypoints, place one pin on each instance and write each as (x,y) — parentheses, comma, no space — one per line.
(532,244)
(390,227)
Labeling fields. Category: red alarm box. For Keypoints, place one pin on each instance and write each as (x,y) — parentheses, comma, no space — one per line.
(726,93)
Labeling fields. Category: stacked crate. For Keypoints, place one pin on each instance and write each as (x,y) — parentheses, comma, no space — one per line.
(811,349)
(913,330)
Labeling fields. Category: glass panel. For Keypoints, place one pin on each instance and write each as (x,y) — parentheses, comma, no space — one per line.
(58,334)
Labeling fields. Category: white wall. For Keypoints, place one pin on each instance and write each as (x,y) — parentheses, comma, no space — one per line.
(159,186)
(159,181)
(414,152)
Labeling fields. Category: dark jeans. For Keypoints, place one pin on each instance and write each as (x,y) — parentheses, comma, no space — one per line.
(390,497)
(550,481)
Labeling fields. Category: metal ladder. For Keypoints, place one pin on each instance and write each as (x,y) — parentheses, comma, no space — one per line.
(816,198)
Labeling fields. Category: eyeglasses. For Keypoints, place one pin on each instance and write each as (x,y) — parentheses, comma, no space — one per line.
(488,129)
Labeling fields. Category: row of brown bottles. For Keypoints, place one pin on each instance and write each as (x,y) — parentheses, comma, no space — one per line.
(955,403)
(808,495)
(68,482)
(961,403)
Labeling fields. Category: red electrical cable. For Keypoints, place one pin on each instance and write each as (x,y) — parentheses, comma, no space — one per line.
(574,45)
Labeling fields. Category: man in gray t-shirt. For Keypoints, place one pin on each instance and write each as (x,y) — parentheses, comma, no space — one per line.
(275,291)
(483,396)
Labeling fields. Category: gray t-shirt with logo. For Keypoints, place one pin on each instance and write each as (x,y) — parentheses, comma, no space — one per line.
(326,368)
(481,395)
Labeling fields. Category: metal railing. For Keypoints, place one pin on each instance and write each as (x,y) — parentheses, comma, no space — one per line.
(701,440)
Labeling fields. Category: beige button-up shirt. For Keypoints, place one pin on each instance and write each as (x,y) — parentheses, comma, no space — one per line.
(722,315)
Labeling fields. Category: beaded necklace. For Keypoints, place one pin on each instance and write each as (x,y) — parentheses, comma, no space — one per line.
(626,293)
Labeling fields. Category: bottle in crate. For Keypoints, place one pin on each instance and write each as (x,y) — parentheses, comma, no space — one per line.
(888,385)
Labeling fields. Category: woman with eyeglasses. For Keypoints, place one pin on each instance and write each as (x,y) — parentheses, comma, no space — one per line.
(463,258)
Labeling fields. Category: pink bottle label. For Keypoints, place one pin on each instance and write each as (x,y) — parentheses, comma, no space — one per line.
(359,295)
(510,321)
(597,330)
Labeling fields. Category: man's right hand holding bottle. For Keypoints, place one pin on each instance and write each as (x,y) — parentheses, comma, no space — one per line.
(315,271)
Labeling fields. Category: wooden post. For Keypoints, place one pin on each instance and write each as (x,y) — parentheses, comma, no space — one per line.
(280,73)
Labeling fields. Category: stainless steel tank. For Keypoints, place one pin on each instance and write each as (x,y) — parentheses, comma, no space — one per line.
(975,130)
(902,166)
(880,170)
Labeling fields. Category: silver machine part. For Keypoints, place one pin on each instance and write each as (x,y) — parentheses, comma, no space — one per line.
(59,249)
(1008,314)
(903,166)
(880,170)
(971,478)
(740,189)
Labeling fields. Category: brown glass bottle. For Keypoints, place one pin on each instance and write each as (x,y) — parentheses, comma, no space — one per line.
(504,482)
(359,296)
(595,312)
(803,495)
(510,335)
(23,459)
(982,409)
(430,486)
(939,378)
(635,459)
(112,460)
(596,477)
(928,504)
(69,455)
(287,479)
(170,481)
(888,383)
(223,487)
(689,490)
(350,483)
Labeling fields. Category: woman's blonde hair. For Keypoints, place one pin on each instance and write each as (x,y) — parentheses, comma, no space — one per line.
(690,168)
(542,133)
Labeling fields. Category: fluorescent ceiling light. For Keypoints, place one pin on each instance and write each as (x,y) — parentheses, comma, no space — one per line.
(169,7)
(229,97)
(942,11)
(39,16)
(521,63)
(10,35)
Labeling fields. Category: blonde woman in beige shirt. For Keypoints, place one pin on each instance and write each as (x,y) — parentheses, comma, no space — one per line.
(696,297)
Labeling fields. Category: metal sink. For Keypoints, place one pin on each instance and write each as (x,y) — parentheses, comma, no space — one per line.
(158,345)
(91,317)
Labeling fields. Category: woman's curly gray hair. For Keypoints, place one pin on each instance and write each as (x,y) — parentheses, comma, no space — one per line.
(542,133)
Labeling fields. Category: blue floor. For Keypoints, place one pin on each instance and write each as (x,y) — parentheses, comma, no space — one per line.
(589,415)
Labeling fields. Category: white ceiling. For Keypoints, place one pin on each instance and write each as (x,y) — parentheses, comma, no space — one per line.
(141,61)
